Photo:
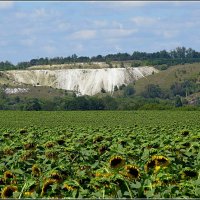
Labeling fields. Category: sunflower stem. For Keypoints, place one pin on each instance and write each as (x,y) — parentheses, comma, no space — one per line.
(103,193)
(128,190)
(22,190)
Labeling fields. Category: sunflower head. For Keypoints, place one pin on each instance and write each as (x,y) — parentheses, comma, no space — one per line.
(102,149)
(23,131)
(27,154)
(189,173)
(185,133)
(47,185)
(132,171)
(29,145)
(156,163)
(116,162)
(56,176)
(8,175)
(151,164)
(7,192)
(36,171)
(50,144)
(98,139)
(6,135)
(8,151)
(2,181)
(61,141)
(51,154)
(161,160)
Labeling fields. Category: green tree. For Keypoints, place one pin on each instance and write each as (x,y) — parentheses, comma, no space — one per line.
(152,91)
(129,90)
(178,102)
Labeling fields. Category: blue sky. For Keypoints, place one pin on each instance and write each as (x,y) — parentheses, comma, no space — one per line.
(88,28)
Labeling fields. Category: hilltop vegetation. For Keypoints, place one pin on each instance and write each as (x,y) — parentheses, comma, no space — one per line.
(161,59)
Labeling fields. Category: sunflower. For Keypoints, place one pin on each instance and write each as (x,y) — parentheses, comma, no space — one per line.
(102,149)
(61,141)
(151,164)
(36,171)
(185,133)
(156,163)
(49,144)
(116,162)
(7,192)
(98,139)
(27,155)
(47,185)
(31,190)
(51,154)
(189,173)
(161,161)
(8,151)
(8,175)
(56,176)
(29,145)
(2,181)
(132,171)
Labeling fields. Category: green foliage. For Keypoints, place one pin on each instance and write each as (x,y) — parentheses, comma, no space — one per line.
(129,90)
(152,91)
(161,59)
(178,102)
(185,88)
(90,154)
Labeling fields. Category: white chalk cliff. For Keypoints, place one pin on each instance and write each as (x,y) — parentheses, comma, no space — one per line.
(82,81)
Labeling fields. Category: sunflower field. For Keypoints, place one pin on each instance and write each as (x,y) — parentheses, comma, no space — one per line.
(141,154)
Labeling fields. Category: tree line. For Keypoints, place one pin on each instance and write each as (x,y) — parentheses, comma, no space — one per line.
(163,59)
(153,97)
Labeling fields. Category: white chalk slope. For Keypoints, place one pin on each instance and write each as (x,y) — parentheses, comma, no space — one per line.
(82,81)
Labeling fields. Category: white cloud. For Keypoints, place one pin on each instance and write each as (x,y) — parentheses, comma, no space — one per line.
(83,34)
(168,34)
(43,13)
(100,23)
(117,33)
(6,4)
(144,21)
(63,26)
(39,13)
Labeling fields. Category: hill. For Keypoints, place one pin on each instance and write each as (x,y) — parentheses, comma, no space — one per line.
(81,81)
(165,79)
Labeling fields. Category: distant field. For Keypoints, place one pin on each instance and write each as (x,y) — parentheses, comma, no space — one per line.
(93,154)
(20,119)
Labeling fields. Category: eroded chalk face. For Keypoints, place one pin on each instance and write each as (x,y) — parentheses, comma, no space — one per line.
(81,81)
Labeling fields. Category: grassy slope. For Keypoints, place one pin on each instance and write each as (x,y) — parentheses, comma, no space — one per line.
(167,77)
